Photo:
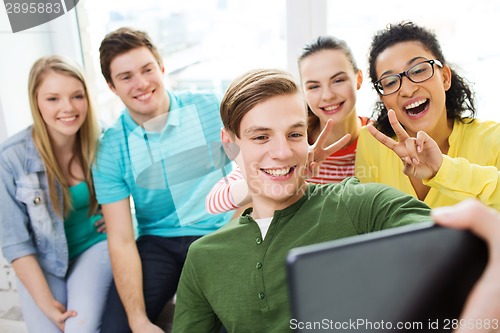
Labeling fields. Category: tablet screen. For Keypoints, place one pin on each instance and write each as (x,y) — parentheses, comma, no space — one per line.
(407,279)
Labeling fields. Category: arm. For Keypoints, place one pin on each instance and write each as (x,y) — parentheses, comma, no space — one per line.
(18,246)
(29,272)
(374,206)
(483,302)
(228,194)
(460,179)
(113,194)
(455,177)
(126,264)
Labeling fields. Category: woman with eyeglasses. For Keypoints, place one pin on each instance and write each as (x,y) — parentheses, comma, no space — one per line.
(425,124)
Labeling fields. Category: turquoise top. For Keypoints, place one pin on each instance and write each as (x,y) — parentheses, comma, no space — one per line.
(81,232)
(168,172)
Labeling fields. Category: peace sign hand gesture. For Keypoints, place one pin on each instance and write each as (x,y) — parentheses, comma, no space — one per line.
(318,152)
(421,156)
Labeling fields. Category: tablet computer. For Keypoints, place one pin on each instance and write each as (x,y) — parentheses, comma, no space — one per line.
(407,279)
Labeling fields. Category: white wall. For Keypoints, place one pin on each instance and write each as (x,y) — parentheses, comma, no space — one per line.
(305,21)
(3,128)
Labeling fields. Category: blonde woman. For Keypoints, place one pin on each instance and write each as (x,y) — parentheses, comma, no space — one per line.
(50,227)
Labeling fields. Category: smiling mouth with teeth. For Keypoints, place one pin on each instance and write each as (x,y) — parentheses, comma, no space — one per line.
(278,172)
(415,108)
(67,119)
(331,108)
(144,96)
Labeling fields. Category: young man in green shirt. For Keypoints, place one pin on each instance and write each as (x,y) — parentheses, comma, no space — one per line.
(235,277)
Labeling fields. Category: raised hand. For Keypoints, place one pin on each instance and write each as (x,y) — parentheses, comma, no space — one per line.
(421,155)
(482,308)
(318,152)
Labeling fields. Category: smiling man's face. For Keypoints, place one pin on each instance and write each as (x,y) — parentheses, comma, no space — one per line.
(273,145)
(138,81)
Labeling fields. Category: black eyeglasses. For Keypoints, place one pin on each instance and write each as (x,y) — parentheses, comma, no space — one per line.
(417,73)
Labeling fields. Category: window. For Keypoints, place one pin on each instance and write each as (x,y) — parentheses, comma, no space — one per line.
(462,27)
(205,43)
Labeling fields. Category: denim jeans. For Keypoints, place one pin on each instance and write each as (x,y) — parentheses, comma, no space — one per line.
(162,260)
(84,290)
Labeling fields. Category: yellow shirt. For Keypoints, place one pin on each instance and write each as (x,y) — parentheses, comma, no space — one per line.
(469,170)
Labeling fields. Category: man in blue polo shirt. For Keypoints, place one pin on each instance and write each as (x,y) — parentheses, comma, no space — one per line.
(162,152)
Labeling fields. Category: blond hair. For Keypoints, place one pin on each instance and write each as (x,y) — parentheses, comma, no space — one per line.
(87,136)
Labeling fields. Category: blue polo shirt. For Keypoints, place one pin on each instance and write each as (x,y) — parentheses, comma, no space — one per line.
(167,167)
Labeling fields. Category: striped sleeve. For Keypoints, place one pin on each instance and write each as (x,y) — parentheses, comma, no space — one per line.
(220,200)
(335,169)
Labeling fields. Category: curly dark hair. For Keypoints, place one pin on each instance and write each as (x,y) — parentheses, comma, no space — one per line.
(459,98)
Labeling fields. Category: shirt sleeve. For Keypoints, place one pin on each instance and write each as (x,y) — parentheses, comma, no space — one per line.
(374,207)
(460,179)
(220,200)
(193,313)
(15,236)
(107,173)
(365,168)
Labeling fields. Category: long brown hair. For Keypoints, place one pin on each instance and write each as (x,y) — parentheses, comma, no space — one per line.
(87,136)
(317,45)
